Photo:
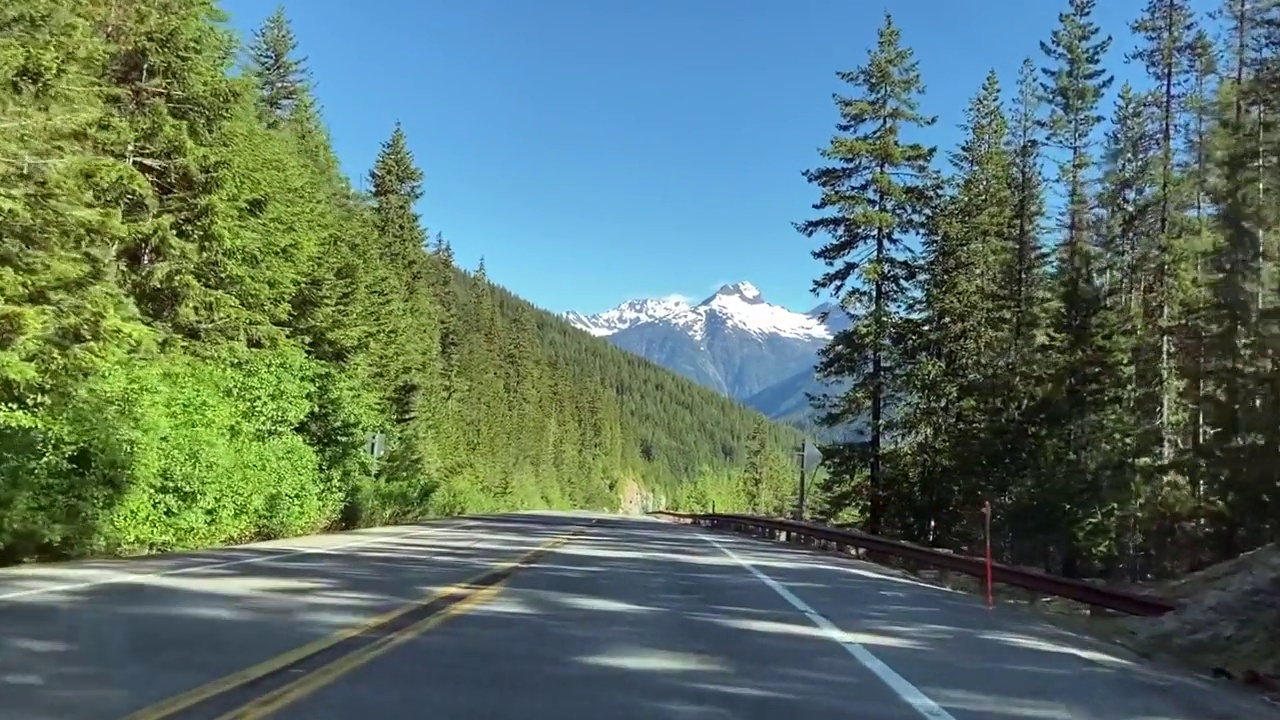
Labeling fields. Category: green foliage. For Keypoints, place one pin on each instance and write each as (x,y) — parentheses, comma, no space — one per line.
(202,324)
(1107,383)
(281,75)
(875,193)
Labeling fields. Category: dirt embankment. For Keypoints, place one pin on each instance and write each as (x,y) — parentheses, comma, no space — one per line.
(633,499)
(1228,619)
(1227,623)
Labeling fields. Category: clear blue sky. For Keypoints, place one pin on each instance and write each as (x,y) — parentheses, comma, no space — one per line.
(598,150)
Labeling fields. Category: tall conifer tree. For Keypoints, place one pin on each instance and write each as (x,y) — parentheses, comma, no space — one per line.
(876,192)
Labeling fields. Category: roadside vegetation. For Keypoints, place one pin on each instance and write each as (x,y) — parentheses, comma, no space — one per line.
(1077,321)
(205,329)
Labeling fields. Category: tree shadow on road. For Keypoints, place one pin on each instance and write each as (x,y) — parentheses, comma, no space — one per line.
(635,618)
(100,639)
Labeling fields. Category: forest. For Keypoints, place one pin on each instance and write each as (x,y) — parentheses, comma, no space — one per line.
(1074,315)
(209,336)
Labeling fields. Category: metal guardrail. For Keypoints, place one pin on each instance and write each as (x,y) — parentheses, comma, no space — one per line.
(1080,591)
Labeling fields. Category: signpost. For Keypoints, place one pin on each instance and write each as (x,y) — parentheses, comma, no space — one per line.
(810,459)
(375,444)
(986,511)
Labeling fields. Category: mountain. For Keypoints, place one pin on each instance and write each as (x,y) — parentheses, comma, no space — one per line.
(628,314)
(788,399)
(835,319)
(788,402)
(734,342)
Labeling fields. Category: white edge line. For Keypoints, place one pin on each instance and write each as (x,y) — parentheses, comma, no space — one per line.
(134,577)
(898,684)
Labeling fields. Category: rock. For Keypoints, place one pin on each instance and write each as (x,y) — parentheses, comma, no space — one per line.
(1229,616)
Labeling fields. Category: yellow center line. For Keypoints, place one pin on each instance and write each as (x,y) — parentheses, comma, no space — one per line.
(280,698)
(169,707)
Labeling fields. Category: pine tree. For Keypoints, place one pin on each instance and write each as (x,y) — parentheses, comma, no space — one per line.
(1131,256)
(1197,131)
(157,51)
(408,351)
(876,192)
(1242,328)
(395,184)
(1167,29)
(966,255)
(282,76)
(755,480)
(1075,82)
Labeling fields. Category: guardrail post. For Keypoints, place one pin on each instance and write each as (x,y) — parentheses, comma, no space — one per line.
(944,574)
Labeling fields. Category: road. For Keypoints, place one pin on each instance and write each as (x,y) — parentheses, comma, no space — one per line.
(613,617)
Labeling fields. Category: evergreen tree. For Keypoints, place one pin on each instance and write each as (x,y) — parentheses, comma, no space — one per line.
(1167,30)
(1241,319)
(281,75)
(1130,260)
(755,475)
(1197,131)
(876,192)
(966,254)
(1075,81)
(409,350)
(1024,302)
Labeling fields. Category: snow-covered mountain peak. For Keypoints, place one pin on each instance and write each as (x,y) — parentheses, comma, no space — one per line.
(743,291)
(737,306)
(733,341)
(752,314)
(832,316)
(628,314)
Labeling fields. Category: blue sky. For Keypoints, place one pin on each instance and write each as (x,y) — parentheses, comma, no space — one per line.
(598,150)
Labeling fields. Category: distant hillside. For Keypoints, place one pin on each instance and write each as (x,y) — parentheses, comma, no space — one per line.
(734,342)
(673,429)
(788,402)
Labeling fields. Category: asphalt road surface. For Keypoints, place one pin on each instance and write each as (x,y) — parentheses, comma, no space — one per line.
(557,616)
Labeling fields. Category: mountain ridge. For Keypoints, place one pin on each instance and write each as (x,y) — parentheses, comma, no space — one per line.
(636,311)
(734,341)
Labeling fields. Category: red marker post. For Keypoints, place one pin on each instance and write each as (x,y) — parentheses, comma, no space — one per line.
(986,511)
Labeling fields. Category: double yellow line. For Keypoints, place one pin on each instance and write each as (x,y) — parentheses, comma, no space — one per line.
(388,630)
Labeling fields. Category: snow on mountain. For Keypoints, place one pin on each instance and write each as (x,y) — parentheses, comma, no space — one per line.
(739,305)
(835,320)
(734,342)
(628,314)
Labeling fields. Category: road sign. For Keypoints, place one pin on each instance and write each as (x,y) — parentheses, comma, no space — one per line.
(811,457)
(376,444)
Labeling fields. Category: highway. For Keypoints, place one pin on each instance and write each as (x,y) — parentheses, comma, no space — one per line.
(555,616)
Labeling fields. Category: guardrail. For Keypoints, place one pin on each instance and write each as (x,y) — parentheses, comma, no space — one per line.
(1080,591)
